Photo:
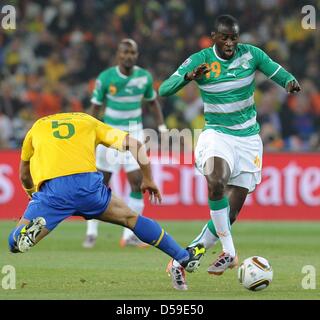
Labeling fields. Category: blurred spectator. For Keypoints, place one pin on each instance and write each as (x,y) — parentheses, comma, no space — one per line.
(54,68)
(269,119)
(6,131)
(21,123)
(9,103)
(44,46)
(303,120)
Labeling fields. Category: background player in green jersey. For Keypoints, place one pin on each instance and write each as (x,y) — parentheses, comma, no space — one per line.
(119,91)
(229,150)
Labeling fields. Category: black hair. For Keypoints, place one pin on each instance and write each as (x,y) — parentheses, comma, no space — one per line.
(225,20)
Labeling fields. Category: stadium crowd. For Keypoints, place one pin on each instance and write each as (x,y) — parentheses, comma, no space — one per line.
(49,63)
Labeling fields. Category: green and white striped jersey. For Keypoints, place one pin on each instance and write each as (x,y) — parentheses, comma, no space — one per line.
(228,90)
(122,96)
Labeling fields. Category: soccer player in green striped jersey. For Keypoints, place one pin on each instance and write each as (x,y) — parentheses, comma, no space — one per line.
(119,92)
(229,150)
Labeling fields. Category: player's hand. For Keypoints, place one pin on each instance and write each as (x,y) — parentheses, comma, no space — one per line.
(198,72)
(154,193)
(293,86)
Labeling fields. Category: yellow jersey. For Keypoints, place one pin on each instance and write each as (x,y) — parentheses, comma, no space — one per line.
(63,144)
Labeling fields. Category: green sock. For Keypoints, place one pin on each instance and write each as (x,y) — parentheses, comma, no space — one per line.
(136,195)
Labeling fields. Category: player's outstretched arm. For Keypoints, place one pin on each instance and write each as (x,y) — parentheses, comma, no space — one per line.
(182,77)
(94,110)
(155,108)
(172,85)
(25,178)
(198,72)
(293,86)
(275,71)
(139,152)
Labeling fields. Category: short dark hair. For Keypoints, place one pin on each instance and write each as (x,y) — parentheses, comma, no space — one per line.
(225,20)
(129,42)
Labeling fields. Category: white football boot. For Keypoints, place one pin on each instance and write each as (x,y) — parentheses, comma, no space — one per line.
(29,233)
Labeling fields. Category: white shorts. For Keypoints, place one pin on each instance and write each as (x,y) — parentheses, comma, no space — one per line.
(243,155)
(111,160)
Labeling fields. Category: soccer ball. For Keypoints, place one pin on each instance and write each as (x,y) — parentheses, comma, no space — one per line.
(255,273)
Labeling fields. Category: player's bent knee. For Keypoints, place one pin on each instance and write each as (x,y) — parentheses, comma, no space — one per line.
(135,177)
(131,221)
(12,245)
(12,242)
(135,184)
(136,187)
(14,250)
(233,216)
(216,187)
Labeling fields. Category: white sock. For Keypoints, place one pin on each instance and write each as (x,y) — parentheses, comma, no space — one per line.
(220,220)
(176,264)
(92,228)
(137,205)
(205,237)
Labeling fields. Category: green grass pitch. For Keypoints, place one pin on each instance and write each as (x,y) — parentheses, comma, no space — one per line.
(59,268)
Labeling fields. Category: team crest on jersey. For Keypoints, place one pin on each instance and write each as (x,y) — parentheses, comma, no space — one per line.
(112,89)
(242,61)
(138,82)
(186,62)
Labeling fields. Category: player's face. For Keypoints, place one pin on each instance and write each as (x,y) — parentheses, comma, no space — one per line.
(127,55)
(226,41)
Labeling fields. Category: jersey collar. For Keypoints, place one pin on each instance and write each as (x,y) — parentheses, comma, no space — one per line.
(216,54)
(123,75)
(120,73)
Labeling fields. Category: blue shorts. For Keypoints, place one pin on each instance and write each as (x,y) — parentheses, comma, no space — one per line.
(83,194)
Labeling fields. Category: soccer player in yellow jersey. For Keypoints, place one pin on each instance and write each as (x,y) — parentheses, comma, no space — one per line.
(58,172)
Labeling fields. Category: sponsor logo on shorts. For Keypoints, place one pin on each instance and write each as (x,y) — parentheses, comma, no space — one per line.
(257,161)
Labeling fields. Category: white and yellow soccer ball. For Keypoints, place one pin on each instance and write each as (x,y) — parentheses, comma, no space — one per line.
(255,273)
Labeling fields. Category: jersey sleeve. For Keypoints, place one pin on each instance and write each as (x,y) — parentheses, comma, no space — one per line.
(176,80)
(100,90)
(270,68)
(150,94)
(109,136)
(27,148)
